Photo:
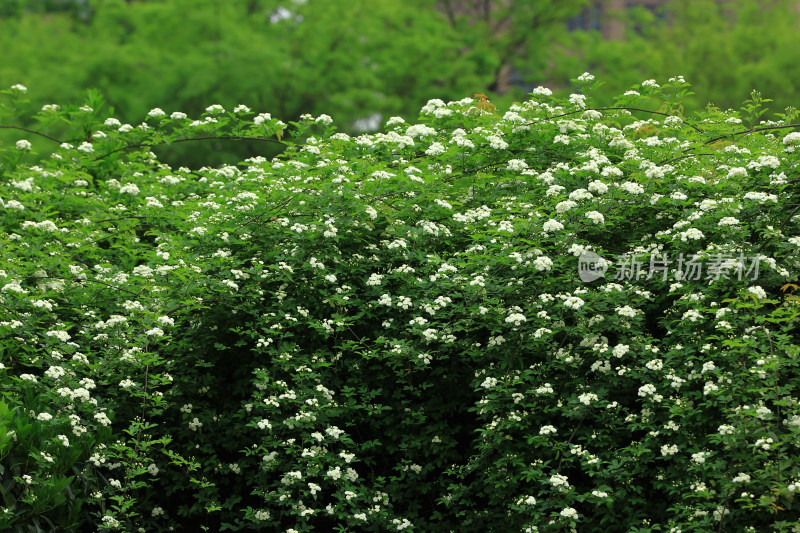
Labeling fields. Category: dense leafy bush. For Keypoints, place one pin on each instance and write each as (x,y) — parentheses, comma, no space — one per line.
(391,332)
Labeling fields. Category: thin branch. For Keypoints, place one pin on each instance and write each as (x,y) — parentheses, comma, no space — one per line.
(619,109)
(721,137)
(81,280)
(118,218)
(40,134)
(206,138)
(682,157)
(789,217)
(752,130)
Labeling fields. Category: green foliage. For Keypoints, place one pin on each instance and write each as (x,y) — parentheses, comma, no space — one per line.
(358,60)
(389,332)
(727,48)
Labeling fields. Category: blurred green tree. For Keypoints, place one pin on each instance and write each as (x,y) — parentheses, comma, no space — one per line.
(360,61)
(725,48)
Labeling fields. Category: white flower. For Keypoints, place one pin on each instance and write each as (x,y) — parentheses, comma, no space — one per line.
(129,188)
(334,432)
(552,225)
(517,165)
(569,512)
(586,77)
(156,112)
(102,418)
(435,149)
(86,147)
(55,372)
(489,382)
(566,205)
(691,234)
(741,478)
(574,302)
(699,457)
(578,100)
(631,187)
(655,364)
(374,280)
(420,130)
(667,450)
(760,197)
(542,91)
(598,186)
(557,480)
(23,145)
(61,335)
(580,194)
(44,417)
(20,88)
(542,263)
(757,291)
(692,315)
(792,138)
(647,390)
(595,217)
(587,398)
(737,172)
(515,318)
(620,350)
(496,142)
(726,429)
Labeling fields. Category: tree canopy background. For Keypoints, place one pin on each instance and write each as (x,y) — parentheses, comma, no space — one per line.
(363,61)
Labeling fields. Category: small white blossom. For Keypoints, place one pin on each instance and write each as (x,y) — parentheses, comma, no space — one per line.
(569,512)
(757,291)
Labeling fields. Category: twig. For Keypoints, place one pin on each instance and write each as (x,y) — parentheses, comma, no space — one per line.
(618,109)
(40,134)
(752,130)
(205,138)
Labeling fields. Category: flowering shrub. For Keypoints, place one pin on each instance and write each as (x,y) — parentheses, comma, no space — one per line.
(556,318)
